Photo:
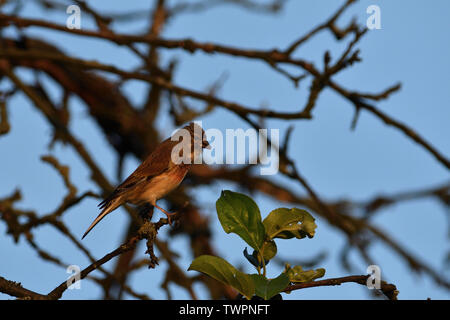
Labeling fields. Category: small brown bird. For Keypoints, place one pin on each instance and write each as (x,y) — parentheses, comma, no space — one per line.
(159,174)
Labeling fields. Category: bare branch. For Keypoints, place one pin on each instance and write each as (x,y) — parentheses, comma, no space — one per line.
(389,290)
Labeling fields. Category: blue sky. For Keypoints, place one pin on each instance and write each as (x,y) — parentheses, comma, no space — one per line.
(411,48)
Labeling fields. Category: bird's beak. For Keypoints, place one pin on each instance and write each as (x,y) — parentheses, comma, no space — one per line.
(206,145)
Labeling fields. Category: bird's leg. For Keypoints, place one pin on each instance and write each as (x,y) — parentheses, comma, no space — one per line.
(168,214)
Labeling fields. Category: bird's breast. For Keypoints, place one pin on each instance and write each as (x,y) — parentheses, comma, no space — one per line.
(159,186)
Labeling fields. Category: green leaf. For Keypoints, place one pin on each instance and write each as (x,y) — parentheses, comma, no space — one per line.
(267,288)
(239,214)
(287,223)
(296,274)
(269,249)
(224,272)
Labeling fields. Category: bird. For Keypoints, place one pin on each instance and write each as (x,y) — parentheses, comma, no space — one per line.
(158,174)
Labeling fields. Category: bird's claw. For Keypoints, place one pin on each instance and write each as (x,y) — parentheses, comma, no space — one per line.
(169,215)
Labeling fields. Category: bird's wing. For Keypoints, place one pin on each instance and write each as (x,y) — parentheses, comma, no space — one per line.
(156,163)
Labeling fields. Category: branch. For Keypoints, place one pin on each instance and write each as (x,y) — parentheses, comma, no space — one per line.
(358,102)
(15,289)
(155,80)
(4,123)
(389,290)
(329,24)
(147,231)
(271,56)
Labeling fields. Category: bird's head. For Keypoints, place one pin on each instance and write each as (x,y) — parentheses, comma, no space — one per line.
(198,135)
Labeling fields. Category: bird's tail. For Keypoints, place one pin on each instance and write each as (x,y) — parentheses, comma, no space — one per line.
(108,205)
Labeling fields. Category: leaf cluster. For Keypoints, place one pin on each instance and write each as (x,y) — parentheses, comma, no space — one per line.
(239,214)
